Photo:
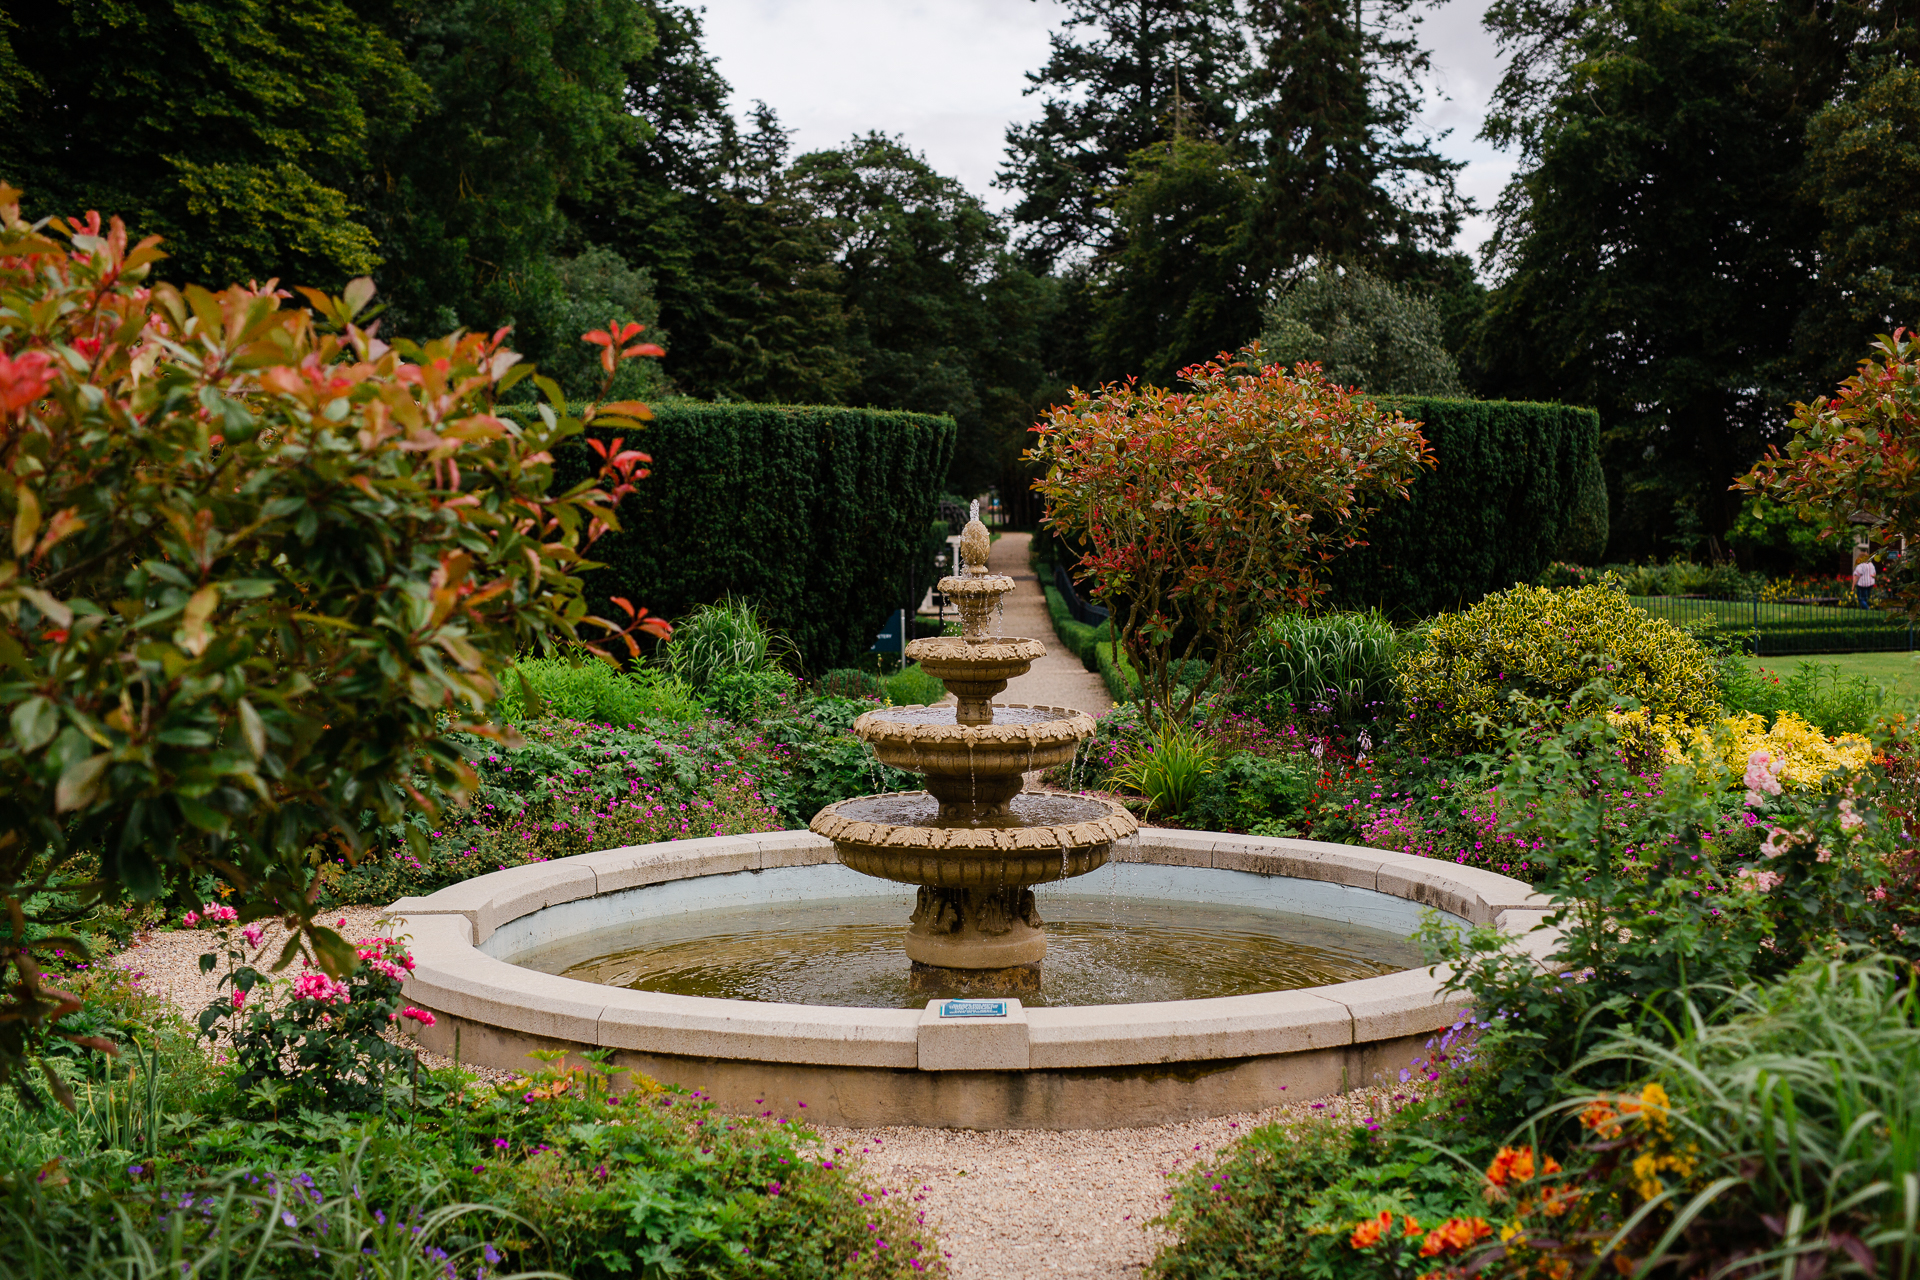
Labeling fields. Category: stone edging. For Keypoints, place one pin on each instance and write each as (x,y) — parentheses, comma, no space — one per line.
(454,977)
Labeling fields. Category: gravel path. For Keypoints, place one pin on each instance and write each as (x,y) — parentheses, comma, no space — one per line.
(1008,1204)
(1058,679)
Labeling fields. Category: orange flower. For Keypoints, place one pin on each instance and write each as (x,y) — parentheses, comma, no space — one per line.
(1601,1118)
(1367,1234)
(1555,1201)
(1410,1228)
(1623,1264)
(1511,1165)
(1453,1235)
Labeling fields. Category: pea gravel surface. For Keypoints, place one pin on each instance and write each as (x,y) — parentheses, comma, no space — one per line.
(1008,1203)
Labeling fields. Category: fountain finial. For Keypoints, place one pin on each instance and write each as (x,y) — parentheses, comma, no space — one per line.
(975,543)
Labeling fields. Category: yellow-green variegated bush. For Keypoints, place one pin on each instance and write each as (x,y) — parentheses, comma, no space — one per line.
(1545,645)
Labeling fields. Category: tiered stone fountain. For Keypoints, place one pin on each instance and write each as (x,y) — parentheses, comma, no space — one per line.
(973,841)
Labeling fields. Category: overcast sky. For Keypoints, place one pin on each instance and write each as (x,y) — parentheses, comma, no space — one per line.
(947,76)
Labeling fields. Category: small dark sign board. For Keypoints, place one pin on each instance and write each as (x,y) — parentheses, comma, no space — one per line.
(974,1009)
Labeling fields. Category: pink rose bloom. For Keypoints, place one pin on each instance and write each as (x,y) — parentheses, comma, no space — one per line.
(1849,820)
(420,1016)
(253,933)
(1762,880)
(1763,775)
(239,998)
(191,920)
(319,988)
(1778,841)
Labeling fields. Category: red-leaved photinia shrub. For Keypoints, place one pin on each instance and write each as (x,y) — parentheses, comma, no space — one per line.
(1201,511)
(259,564)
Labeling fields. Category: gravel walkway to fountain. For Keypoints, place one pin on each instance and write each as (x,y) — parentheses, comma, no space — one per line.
(1010,1204)
(1058,679)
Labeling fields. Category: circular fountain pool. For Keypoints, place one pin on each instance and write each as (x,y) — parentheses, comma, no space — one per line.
(1117,942)
(1257,965)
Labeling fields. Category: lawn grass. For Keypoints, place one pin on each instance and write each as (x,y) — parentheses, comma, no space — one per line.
(1897,673)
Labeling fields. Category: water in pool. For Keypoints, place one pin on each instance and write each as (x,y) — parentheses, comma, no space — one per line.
(1101,949)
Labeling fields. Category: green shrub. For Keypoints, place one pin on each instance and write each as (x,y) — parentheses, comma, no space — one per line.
(913,686)
(810,512)
(1079,639)
(1493,511)
(1584,540)
(593,691)
(849,682)
(1337,666)
(1266,795)
(1544,646)
(744,696)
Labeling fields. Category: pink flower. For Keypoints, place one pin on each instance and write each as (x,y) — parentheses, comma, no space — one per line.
(1762,880)
(1849,820)
(319,988)
(420,1016)
(1778,841)
(253,933)
(239,997)
(1763,775)
(191,920)
(218,913)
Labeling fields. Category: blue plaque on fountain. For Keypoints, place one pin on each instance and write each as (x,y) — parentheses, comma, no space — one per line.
(974,1009)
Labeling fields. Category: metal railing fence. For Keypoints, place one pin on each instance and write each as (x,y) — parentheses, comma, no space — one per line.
(1779,627)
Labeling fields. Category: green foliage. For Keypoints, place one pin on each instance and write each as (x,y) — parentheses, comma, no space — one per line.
(592,289)
(1335,666)
(1584,540)
(1266,795)
(1778,538)
(591,690)
(1517,658)
(1168,766)
(240,130)
(1794,1103)
(1655,248)
(1077,638)
(718,639)
(912,686)
(1122,681)
(1820,695)
(261,566)
(1364,332)
(1857,449)
(811,513)
(1492,512)
(1680,576)
(1863,152)
(556,1175)
(524,102)
(1178,289)
(850,682)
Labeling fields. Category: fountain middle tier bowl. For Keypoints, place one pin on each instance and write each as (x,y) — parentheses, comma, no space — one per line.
(1039,838)
(932,740)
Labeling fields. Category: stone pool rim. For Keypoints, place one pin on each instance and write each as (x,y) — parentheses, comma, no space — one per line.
(1068,1067)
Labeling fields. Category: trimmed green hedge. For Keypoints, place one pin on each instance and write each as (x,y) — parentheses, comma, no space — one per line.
(1123,685)
(1508,478)
(1078,638)
(815,514)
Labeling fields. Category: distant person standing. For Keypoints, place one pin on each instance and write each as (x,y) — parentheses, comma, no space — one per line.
(1864,575)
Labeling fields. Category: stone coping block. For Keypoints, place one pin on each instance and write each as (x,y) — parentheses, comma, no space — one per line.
(453,976)
(972,1044)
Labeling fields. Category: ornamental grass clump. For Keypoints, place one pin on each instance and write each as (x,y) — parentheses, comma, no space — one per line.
(1543,646)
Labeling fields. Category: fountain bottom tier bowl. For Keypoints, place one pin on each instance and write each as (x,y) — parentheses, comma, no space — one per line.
(1193,974)
(975,927)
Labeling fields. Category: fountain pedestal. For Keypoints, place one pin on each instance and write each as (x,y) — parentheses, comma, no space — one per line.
(974,842)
